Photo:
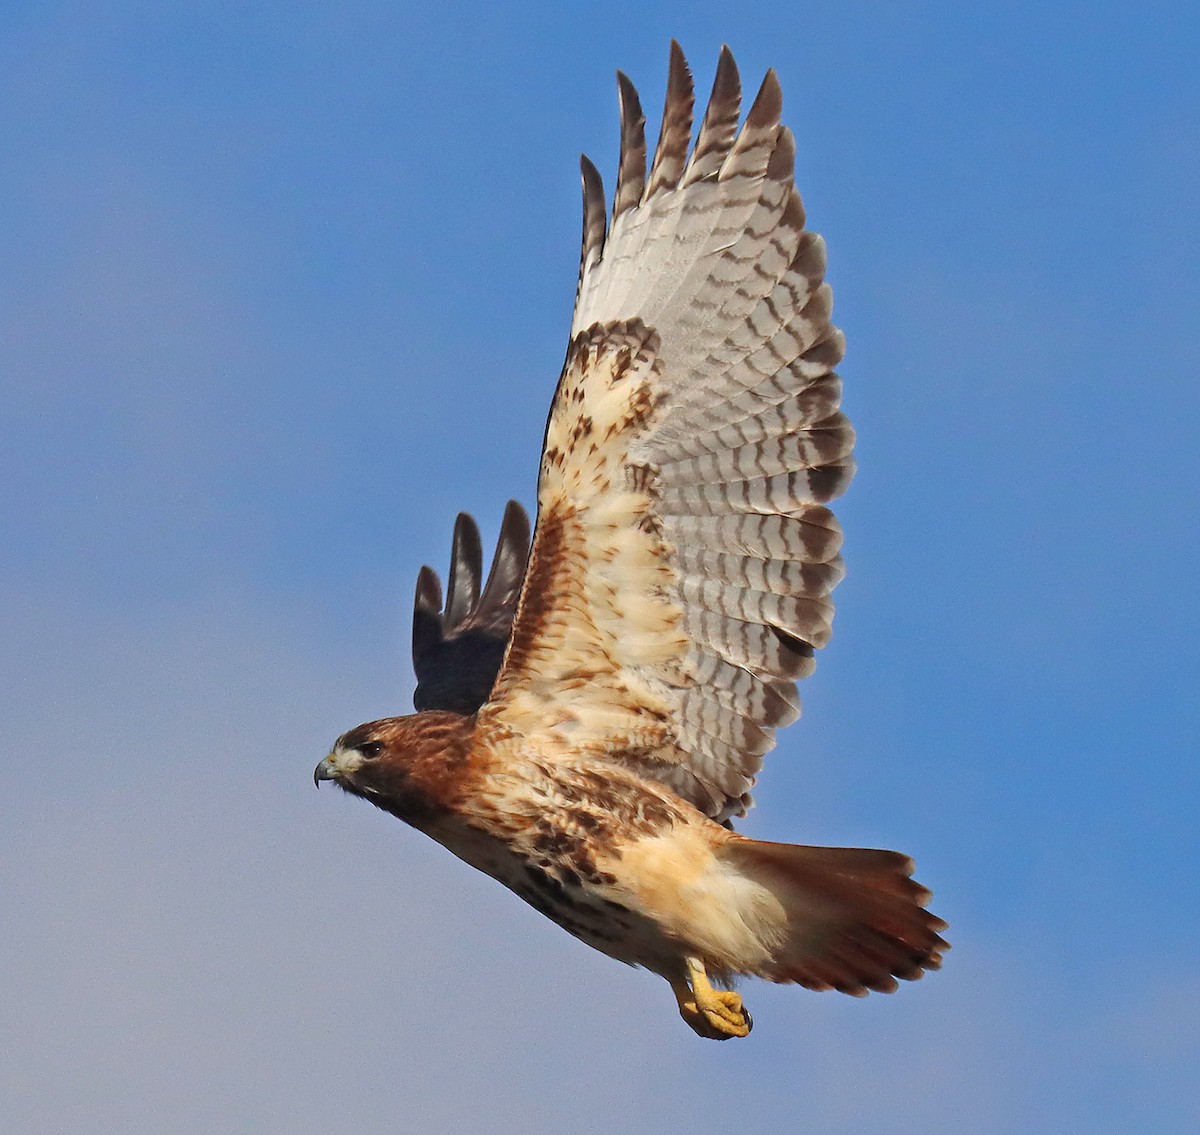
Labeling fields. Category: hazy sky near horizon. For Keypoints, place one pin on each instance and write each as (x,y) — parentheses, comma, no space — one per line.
(283,287)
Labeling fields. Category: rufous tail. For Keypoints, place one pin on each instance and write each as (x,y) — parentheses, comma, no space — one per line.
(855,918)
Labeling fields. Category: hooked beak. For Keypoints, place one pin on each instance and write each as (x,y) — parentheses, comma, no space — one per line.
(324,771)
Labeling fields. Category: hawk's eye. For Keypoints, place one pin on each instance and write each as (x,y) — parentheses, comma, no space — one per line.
(370,749)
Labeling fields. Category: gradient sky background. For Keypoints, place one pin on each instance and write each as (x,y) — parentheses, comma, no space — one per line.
(284,286)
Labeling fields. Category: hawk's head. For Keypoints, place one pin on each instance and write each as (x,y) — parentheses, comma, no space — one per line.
(409,766)
(355,759)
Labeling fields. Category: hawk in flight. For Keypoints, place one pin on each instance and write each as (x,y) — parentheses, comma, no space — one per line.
(591,720)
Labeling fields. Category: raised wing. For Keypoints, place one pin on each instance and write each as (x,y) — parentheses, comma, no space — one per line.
(683,558)
(457,652)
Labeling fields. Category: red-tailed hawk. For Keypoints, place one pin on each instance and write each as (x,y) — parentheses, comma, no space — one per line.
(591,723)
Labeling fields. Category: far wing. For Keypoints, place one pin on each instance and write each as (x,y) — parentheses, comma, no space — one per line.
(457,652)
(683,558)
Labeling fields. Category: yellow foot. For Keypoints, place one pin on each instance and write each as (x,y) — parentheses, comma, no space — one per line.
(716,1014)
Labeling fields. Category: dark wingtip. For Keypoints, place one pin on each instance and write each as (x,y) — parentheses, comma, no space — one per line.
(457,656)
(427,628)
(727,82)
(429,590)
(768,103)
(593,183)
(594,224)
(516,522)
(679,74)
(499,601)
(466,567)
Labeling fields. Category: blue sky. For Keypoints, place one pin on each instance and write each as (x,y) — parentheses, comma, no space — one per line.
(283,287)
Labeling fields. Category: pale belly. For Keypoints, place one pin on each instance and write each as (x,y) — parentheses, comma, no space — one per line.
(555,868)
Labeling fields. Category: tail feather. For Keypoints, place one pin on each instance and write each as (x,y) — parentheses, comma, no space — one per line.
(855,918)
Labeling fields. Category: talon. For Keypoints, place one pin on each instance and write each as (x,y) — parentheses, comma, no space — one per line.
(716,1014)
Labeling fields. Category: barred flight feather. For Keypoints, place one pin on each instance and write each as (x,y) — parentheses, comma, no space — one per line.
(767,701)
(631,177)
(670,156)
(716,432)
(822,443)
(741,735)
(810,619)
(809,533)
(768,370)
(781,577)
(781,493)
(719,126)
(768,651)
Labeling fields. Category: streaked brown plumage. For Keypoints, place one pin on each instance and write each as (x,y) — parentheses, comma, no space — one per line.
(592,721)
